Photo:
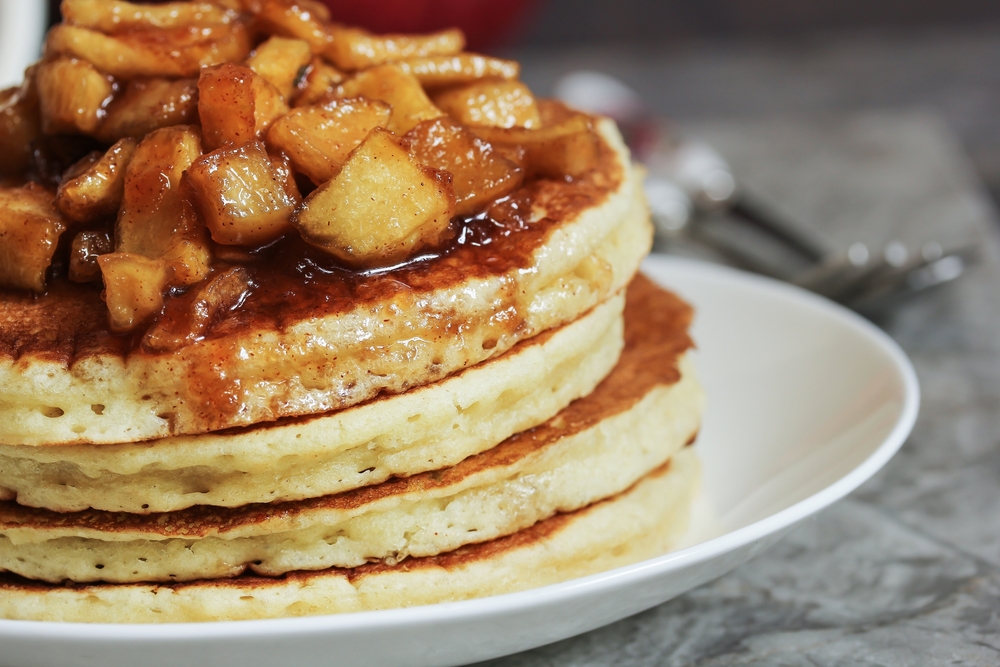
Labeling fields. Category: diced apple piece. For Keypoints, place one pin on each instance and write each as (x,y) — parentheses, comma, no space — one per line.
(353,48)
(569,148)
(155,219)
(554,112)
(491,103)
(382,208)
(30,227)
(241,199)
(87,246)
(317,139)
(19,126)
(236,105)
(175,52)
(71,94)
(280,60)
(318,83)
(133,288)
(149,104)
(462,68)
(189,258)
(96,190)
(479,173)
(269,104)
(300,19)
(115,16)
(219,294)
(402,91)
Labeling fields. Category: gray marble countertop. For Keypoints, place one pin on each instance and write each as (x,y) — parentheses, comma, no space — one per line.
(906,570)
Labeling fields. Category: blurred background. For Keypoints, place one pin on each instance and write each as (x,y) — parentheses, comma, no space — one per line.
(692,59)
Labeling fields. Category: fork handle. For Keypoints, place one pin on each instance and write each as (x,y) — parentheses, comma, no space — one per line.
(792,236)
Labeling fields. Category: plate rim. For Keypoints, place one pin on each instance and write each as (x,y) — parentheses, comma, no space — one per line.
(636,573)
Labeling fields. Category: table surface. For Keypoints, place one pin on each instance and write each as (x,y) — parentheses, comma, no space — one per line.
(905,571)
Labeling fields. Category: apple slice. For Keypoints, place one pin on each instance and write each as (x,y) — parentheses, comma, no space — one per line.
(236,105)
(94,189)
(382,208)
(71,94)
(241,198)
(317,139)
(491,103)
(402,91)
(30,227)
(353,48)
(133,288)
(480,174)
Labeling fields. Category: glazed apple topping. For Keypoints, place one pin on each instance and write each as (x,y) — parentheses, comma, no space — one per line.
(156,146)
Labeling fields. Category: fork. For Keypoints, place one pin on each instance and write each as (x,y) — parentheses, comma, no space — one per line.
(690,182)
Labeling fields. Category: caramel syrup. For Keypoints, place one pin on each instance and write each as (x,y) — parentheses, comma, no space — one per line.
(292,281)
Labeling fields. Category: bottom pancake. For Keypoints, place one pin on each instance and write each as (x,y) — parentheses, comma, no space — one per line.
(597,447)
(640,523)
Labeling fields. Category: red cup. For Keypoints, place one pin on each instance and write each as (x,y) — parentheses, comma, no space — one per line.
(486,23)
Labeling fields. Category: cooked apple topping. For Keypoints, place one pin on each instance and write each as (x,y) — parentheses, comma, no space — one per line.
(411,203)
(93,188)
(319,138)
(147,104)
(241,196)
(30,226)
(158,147)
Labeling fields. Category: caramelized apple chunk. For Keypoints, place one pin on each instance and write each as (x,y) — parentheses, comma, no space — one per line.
(318,82)
(299,19)
(402,91)
(19,126)
(133,288)
(174,52)
(95,190)
(317,139)
(87,246)
(491,103)
(115,16)
(189,257)
(353,48)
(149,104)
(71,95)
(155,219)
(30,227)
(280,61)
(220,293)
(382,208)
(458,69)
(236,105)
(241,198)
(568,148)
(479,173)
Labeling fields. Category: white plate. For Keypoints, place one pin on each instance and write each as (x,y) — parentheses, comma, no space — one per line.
(806,402)
(22,24)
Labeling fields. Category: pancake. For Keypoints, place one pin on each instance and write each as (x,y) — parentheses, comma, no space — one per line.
(257,416)
(646,410)
(311,338)
(641,523)
(427,428)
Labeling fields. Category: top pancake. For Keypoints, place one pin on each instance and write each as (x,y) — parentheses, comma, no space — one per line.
(311,338)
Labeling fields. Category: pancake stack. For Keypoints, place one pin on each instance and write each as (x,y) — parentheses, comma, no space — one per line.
(508,409)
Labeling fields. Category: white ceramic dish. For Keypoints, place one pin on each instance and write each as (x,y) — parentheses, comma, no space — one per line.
(22,24)
(806,402)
